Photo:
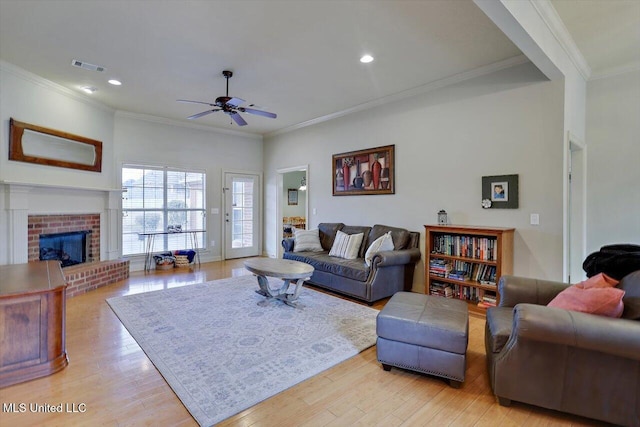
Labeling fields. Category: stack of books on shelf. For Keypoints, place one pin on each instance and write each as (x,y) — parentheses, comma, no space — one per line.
(483,248)
(458,275)
(487,301)
(442,289)
(439,267)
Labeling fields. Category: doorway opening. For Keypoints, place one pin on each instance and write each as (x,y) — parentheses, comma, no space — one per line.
(576,207)
(293,205)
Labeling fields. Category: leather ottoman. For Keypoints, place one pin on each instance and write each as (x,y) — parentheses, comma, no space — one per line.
(424,333)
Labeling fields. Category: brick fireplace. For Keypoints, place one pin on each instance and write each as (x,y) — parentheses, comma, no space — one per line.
(80,277)
(49,224)
(29,210)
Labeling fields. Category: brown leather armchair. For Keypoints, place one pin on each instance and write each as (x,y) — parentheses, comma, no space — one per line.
(568,361)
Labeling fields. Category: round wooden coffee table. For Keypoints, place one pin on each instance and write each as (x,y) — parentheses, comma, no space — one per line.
(288,270)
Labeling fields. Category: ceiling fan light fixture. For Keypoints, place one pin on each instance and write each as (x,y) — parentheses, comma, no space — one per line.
(365,59)
(230,106)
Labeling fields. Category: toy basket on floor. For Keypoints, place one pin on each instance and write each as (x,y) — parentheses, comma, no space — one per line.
(182,261)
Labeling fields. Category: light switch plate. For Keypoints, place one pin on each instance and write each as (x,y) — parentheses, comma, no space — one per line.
(535,219)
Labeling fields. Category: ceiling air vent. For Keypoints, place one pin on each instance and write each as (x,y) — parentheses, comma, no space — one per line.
(87,66)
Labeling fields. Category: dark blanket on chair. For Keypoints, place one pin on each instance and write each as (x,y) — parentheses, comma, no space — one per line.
(613,260)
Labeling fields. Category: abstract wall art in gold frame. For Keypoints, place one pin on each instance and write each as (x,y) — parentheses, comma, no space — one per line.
(364,172)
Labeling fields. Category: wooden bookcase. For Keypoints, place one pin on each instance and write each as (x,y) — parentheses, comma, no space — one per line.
(484,254)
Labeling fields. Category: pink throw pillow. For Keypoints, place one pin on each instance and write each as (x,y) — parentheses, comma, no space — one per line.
(598,281)
(603,301)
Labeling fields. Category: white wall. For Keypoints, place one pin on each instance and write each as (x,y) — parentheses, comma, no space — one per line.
(34,100)
(613,180)
(510,122)
(31,99)
(535,27)
(152,141)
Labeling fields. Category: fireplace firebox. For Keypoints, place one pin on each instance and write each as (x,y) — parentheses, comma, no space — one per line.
(69,248)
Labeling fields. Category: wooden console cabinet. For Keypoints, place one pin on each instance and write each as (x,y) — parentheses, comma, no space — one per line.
(32,321)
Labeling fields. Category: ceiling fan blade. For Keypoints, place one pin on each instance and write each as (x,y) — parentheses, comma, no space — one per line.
(204,113)
(196,102)
(238,119)
(234,102)
(258,112)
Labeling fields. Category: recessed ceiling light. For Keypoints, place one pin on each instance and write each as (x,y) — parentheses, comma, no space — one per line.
(115,82)
(366,59)
(89,89)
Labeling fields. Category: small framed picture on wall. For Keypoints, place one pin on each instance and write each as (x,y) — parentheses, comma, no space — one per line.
(500,192)
(292,197)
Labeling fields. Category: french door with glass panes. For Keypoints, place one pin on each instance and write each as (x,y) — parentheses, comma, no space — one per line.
(241,215)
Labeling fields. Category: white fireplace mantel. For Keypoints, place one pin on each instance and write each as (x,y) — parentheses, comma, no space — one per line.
(18,200)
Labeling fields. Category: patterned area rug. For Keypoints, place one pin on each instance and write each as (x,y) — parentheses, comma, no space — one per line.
(223,348)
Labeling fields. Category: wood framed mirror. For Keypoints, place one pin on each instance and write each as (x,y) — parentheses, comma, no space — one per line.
(36,144)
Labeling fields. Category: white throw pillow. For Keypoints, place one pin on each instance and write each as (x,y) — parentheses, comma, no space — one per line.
(382,243)
(306,240)
(346,245)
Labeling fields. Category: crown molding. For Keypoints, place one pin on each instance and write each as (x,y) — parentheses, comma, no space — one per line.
(616,71)
(429,87)
(550,16)
(48,84)
(172,122)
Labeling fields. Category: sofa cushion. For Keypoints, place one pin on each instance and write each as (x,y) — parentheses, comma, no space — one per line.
(306,240)
(631,285)
(499,326)
(382,243)
(400,236)
(346,246)
(350,268)
(328,232)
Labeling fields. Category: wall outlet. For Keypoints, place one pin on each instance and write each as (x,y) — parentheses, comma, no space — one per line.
(215,211)
(213,243)
(314,211)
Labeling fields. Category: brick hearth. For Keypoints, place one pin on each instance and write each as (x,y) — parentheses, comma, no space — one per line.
(90,276)
(81,277)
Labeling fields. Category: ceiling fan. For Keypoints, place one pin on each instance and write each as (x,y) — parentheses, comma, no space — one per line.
(229,105)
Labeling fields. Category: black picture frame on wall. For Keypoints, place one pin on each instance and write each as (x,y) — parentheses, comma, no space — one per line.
(501,190)
(292,197)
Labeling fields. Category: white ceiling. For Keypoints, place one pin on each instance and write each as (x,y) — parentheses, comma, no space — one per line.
(298,59)
(607,32)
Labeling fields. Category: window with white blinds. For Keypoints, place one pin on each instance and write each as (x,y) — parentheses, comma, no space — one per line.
(158,198)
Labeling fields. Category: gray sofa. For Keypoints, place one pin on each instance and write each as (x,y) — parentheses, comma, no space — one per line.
(390,271)
(568,361)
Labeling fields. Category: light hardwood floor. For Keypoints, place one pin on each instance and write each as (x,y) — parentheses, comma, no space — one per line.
(111,376)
